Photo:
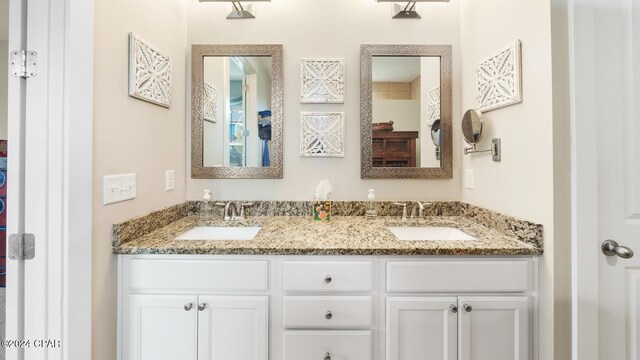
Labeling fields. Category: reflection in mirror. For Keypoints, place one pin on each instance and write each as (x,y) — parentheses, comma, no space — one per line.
(404,89)
(472,126)
(406,95)
(237,111)
(435,137)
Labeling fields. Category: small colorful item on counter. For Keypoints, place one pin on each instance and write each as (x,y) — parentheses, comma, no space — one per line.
(322,210)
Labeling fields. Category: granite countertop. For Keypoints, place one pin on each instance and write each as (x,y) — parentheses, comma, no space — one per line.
(343,235)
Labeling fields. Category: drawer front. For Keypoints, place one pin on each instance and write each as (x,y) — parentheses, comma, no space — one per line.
(337,345)
(458,276)
(327,276)
(199,275)
(328,312)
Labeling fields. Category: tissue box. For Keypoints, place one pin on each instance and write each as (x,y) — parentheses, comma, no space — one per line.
(322,210)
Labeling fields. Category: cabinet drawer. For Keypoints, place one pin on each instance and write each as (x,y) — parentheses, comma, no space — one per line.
(317,345)
(199,275)
(328,312)
(327,276)
(457,276)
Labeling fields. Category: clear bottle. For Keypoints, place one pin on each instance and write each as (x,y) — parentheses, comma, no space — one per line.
(206,206)
(371,211)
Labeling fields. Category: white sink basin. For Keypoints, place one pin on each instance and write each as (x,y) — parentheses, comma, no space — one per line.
(220,233)
(425,233)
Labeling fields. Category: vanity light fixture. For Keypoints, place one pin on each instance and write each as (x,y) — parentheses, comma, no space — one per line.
(239,11)
(409,10)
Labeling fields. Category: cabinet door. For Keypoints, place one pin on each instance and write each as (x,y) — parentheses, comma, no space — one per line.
(233,327)
(160,327)
(422,328)
(496,328)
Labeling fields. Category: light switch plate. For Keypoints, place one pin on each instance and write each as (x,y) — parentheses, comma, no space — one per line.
(469,179)
(116,188)
(169,180)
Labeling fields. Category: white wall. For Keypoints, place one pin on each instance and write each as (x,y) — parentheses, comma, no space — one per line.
(131,135)
(4,73)
(523,183)
(328,28)
(215,75)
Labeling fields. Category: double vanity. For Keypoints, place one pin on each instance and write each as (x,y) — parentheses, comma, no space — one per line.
(455,281)
(458,283)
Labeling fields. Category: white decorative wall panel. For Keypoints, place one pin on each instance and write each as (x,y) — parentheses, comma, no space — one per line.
(322,81)
(210,111)
(149,72)
(322,134)
(499,79)
(433,105)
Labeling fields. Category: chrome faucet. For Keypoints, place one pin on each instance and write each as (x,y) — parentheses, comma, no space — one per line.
(231,210)
(420,207)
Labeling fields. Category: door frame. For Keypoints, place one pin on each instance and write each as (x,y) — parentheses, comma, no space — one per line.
(584,178)
(61,31)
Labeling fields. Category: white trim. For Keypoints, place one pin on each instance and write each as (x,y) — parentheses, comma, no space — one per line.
(78,154)
(15,221)
(56,181)
(584,179)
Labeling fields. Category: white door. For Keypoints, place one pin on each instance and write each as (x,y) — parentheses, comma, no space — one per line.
(162,327)
(422,328)
(233,327)
(606,179)
(496,328)
(619,180)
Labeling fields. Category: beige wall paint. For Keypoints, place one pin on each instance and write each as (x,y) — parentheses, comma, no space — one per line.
(328,28)
(131,136)
(522,184)
(562,180)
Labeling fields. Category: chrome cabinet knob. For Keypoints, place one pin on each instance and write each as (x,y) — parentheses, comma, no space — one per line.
(328,279)
(188,306)
(202,306)
(611,248)
(453,308)
(467,307)
(327,356)
(328,315)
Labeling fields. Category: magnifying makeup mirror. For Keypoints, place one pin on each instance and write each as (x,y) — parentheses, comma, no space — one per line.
(472,127)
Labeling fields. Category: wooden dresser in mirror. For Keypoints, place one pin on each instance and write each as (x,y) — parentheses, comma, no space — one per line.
(394,148)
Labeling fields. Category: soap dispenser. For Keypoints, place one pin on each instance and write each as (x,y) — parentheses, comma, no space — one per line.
(206,206)
(371,212)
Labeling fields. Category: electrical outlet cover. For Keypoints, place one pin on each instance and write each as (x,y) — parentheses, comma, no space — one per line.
(469,179)
(169,180)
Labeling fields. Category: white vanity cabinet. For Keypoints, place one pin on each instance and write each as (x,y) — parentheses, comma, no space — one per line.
(210,307)
(194,308)
(464,310)
(421,328)
(159,327)
(328,306)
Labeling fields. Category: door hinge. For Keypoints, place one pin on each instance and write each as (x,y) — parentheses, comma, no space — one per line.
(22,246)
(24,64)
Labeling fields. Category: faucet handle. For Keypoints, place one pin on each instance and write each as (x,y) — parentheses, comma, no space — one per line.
(242,206)
(404,209)
(225,215)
